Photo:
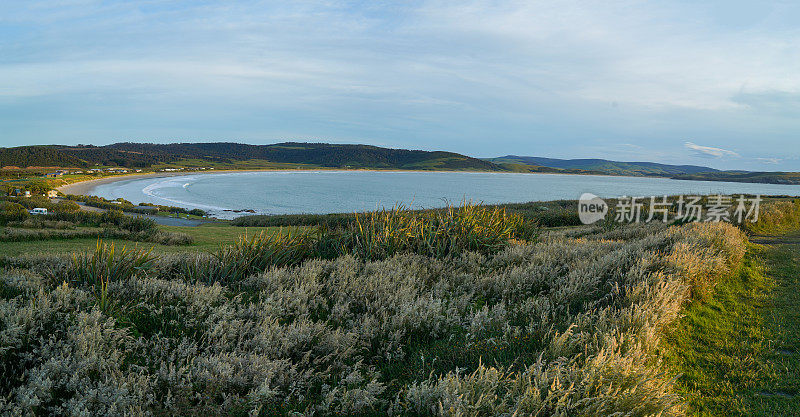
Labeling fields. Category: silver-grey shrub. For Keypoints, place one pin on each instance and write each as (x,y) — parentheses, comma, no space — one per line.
(569,325)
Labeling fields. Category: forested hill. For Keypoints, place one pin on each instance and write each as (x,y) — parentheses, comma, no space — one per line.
(143,155)
(37,156)
(325,155)
(605,166)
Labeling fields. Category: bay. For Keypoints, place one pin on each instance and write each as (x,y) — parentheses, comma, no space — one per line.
(292,192)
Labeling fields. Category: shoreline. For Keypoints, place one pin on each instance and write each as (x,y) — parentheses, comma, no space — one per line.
(86,186)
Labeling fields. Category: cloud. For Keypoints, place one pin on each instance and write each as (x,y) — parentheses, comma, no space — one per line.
(710,152)
(770,160)
(475,76)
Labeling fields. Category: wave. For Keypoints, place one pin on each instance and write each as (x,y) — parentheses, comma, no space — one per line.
(149,191)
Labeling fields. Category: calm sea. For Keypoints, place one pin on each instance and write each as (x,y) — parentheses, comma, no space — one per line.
(287,192)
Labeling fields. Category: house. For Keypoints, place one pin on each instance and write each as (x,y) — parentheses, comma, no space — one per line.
(27,194)
(38,210)
(54,174)
(52,194)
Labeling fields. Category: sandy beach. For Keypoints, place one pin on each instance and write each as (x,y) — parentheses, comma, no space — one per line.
(85,187)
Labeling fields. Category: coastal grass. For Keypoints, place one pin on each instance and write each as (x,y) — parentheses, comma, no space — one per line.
(739,351)
(205,238)
(544,214)
(372,236)
(777,218)
(566,323)
(738,348)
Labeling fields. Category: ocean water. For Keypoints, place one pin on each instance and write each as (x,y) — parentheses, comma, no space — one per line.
(290,192)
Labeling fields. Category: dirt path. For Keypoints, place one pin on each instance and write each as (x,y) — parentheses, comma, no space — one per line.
(776,240)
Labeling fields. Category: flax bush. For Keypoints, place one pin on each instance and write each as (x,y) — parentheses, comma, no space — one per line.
(568,324)
(435,233)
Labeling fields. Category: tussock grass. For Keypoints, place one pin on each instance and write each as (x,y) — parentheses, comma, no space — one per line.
(250,254)
(372,236)
(439,233)
(776,218)
(400,314)
(107,263)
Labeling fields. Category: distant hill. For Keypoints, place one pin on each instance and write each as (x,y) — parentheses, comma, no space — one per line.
(604,166)
(791,178)
(39,156)
(324,155)
(143,155)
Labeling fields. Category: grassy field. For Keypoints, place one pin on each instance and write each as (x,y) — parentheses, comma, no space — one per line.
(470,311)
(738,350)
(207,237)
(459,313)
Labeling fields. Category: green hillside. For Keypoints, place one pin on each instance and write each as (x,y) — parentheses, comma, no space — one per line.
(604,166)
(296,155)
(792,178)
(37,156)
(287,155)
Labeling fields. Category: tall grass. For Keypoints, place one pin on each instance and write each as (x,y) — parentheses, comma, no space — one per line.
(776,218)
(371,236)
(107,262)
(545,214)
(105,265)
(437,233)
(401,320)
(250,254)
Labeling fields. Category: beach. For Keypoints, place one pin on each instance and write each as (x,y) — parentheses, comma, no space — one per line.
(85,187)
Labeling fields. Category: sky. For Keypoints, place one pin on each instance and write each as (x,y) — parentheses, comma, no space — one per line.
(714,84)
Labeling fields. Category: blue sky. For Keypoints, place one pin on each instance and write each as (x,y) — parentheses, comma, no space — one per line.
(716,84)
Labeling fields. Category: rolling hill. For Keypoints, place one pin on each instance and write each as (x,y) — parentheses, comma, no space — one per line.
(37,156)
(324,155)
(605,166)
(143,155)
(789,178)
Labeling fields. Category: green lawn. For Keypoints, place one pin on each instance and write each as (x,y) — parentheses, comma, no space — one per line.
(738,349)
(207,237)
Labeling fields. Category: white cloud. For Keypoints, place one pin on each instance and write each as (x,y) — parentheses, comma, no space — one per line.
(770,160)
(708,151)
(474,76)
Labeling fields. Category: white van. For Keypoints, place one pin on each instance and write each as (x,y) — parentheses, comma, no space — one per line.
(39,210)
